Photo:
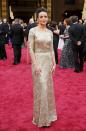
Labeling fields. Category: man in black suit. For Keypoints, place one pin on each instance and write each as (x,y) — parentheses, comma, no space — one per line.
(76,37)
(6,28)
(84,25)
(3,55)
(17,40)
(29,26)
(53,27)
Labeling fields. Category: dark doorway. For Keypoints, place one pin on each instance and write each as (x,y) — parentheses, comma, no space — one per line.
(23,9)
(69,13)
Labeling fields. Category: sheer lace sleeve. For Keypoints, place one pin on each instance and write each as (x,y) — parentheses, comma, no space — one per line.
(31,42)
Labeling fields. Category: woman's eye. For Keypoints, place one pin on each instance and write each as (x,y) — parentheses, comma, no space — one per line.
(41,16)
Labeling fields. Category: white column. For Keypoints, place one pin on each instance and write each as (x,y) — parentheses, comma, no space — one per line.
(4,8)
(84,11)
(49,9)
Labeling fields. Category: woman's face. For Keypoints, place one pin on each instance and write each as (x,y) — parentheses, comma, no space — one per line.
(65,23)
(42,18)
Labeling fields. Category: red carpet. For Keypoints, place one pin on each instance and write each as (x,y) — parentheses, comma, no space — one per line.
(16,97)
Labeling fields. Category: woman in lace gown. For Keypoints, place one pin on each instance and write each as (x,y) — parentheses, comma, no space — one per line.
(67,57)
(43,65)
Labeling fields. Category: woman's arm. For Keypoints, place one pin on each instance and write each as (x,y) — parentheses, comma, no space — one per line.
(52,55)
(31,45)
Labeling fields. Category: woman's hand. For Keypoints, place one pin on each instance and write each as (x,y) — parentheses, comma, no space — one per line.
(61,36)
(53,68)
(56,32)
(37,70)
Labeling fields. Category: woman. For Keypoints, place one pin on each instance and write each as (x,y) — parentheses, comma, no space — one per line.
(43,65)
(67,58)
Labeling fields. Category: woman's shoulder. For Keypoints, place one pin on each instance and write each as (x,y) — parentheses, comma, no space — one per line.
(48,30)
(32,29)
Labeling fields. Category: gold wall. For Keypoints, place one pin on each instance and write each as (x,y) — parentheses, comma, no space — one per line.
(49,8)
(0,8)
(4,8)
(56,8)
(84,11)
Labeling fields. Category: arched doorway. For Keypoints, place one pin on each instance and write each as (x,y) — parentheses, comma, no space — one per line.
(25,9)
(69,13)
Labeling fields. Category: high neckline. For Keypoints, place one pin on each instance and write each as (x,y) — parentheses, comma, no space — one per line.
(41,30)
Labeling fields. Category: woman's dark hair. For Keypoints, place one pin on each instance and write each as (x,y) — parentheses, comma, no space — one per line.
(53,25)
(67,21)
(42,9)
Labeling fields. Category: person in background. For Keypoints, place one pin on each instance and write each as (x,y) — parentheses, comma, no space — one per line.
(7,30)
(31,24)
(80,21)
(76,33)
(3,55)
(17,36)
(67,57)
(61,27)
(53,27)
(84,50)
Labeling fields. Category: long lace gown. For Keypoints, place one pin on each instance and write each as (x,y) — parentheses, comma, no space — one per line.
(41,43)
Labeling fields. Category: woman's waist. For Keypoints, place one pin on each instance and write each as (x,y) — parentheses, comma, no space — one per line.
(42,51)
